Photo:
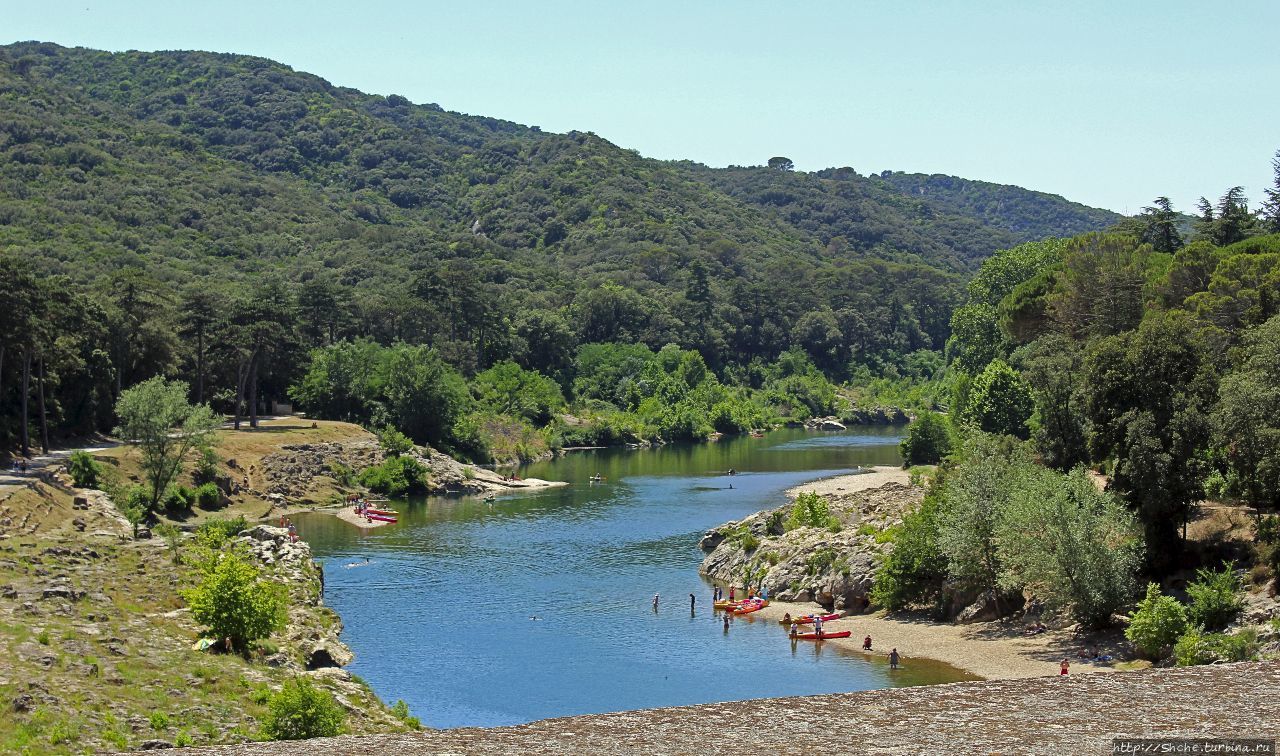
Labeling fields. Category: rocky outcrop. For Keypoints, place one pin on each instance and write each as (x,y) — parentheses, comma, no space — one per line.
(835,569)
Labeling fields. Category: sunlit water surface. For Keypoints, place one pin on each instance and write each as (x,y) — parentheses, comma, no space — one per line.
(539,604)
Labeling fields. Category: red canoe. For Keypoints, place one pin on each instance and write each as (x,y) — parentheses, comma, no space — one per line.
(750,606)
(384,512)
(824,636)
(381,518)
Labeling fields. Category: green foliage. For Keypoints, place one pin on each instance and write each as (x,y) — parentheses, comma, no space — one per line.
(172,536)
(132,503)
(810,511)
(741,536)
(396,476)
(819,561)
(43,637)
(156,416)
(207,496)
(206,469)
(914,570)
(1157,624)
(232,601)
(1215,598)
(1198,647)
(1000,401)
(400,710)
(1069,543)
(1247,418)
(393,442)
(301,711)
(159,720)
(508,389)
(84,469)
(928,440)
(178,498)
(216,531)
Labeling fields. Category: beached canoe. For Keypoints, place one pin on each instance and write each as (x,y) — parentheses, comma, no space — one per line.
(381,518)
(386,512)
(808,619)
(825,635)
(750,606)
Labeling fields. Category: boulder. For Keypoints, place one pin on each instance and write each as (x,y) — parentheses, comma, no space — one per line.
(327,654)
(989,606)
(831,424)
(154,745)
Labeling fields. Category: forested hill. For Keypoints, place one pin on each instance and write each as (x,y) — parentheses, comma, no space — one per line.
(374,161)
(230,192)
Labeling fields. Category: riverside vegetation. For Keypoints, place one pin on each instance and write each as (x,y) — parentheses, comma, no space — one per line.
(496,291)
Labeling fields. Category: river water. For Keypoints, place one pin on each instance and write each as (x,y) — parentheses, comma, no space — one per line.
(539,604)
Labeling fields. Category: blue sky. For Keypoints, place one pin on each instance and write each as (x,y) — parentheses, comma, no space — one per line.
(1107,103)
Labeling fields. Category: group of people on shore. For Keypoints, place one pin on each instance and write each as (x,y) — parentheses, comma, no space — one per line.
(288,525)
(20,465)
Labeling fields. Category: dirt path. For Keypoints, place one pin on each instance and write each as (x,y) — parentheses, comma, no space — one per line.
(38,467)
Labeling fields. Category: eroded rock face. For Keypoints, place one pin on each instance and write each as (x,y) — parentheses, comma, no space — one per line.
(835,569)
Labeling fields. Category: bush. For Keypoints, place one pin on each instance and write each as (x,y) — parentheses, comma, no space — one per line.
(811,510)
(171,535)
(178,498)
(215,532)
(396,476)
(232,601)
(83,469)
(1157,624)
(401,711)
(928,440)
(207,496)
(393,442)
(301,711)
(132,503)
(1198,647)
(914,570)
(206,467)
(1215,598)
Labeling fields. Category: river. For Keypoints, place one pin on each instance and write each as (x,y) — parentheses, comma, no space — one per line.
(539,604)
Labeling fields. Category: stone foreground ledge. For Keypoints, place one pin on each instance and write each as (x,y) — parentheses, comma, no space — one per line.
(1043,715)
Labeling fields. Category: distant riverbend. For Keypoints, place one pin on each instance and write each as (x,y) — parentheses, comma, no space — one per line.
(539,604)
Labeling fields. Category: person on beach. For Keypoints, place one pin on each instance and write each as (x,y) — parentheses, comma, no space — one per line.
(1065,666)
(293,533)
(866,643)
(786,619)
(894,658)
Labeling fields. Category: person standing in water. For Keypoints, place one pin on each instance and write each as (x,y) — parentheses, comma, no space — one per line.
(894,658)
(655,602)
(692,602)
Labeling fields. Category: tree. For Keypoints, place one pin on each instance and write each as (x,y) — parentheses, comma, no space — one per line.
(1052,366)
(1215,598)
(1000,401)
(1147,398)
(928,440)
(234,602)
(342,381)
(1101,286)
(508,389)
(1156,624)
(1247,418)
(781,164)
(1271,206)
(424,396)
(1161,226)
(1072,544)
(975,496)
(156,416)
(199,315)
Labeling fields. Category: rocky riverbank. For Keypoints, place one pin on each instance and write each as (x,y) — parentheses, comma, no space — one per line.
(835,569)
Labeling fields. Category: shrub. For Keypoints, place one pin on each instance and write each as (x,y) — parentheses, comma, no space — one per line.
(1215,598)
(215,532)
(810,510)
(1157,624)
(232,601)
(1198,647)
(84,470)
(915,568)
(178,498)
(396,476)
(159,720)
(207,496)
(206,467)
(818,562)
(401,711)
(300,711)
(171,535)
(393,442)
(742,536)
(341,474)
(928,440)
(132,503)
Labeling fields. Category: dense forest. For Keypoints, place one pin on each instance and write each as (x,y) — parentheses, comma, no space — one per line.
(1100,389)
(228,221)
